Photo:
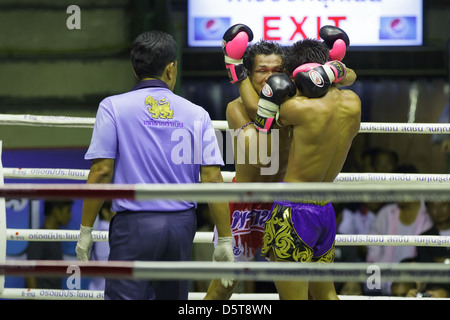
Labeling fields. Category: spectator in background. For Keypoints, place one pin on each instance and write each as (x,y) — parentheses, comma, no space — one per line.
(378,160)
(57,214)
(444,139)
(436,290)
(356,219)
(367,159)
(439,213)
(431,290)
(347,253)
(403,289)
(385,161)
(407,289)
(348,221)
(350,288)
(100,249)
(419,289)
(401,218)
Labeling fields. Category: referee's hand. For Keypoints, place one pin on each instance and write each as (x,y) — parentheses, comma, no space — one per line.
(224,253)
(84,244)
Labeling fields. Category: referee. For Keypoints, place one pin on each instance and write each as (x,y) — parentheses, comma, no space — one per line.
(151,135)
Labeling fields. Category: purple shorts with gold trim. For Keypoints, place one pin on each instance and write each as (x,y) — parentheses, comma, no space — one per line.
(301,232)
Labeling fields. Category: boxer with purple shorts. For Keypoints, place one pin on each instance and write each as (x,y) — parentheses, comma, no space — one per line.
(323,121)
(301,232)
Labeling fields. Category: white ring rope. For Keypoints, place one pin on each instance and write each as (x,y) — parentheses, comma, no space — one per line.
(49,235)
(45,173)
(274,296)
(56,294)
(46,121)
(51,294)
(207,237)
(88,122)
(82,174)
(255,271)
(238,192)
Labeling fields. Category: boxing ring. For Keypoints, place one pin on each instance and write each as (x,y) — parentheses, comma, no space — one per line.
(348,187)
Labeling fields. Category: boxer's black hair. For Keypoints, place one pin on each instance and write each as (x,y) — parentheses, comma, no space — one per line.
(261,47)
(304,51)
(151,52)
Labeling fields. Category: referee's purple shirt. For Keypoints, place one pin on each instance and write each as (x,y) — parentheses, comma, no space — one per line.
(154,136)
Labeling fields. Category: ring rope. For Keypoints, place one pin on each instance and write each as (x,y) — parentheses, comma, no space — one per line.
(61,294)
(45,173)
(58,294)
(207,237)
(256,271)
(51,294)
(82,174)
(274,296)
(239,192)
(46,121)
(88,122)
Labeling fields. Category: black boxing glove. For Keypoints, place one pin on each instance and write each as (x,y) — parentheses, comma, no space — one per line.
(234,44)
(313,79)
(278,87)
(336,40)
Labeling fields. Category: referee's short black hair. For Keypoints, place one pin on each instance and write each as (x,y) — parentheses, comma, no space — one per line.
(151,52)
